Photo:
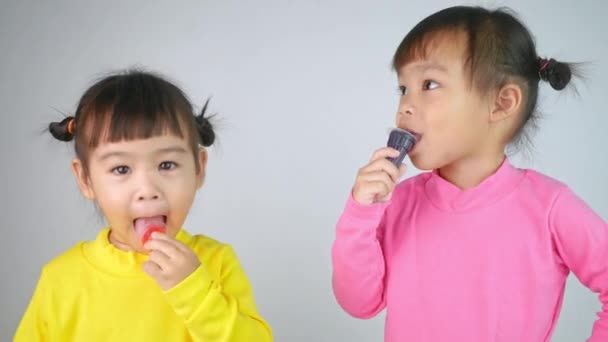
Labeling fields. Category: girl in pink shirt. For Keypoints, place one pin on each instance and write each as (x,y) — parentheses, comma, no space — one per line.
(477,249)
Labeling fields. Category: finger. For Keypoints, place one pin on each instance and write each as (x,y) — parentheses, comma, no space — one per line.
(384,153)
(161,259)
(381,189)
(174,242)
(152,269)
(378,176)
(384,165)
(164,246)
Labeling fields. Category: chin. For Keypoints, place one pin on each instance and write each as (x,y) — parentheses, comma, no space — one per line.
(422,164)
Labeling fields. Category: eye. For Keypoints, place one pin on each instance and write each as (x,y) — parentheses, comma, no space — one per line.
(121,170)
(430,85)
(167,165)
(402,90)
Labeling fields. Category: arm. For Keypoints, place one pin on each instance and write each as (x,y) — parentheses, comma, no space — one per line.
(581,240)
(219,309)
(32,327)
(357,256)
(358,260)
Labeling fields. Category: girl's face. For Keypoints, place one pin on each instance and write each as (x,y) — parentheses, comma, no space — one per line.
(142,179)
(440,105)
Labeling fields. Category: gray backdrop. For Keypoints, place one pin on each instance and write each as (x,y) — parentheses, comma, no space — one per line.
(305,95)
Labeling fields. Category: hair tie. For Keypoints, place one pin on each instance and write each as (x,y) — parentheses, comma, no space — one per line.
(545,63)
(71,125)
(546,68)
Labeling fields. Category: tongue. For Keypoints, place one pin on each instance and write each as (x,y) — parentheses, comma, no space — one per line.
(144,227)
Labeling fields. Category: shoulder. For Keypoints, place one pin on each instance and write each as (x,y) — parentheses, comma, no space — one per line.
(543,181)
(208,249)
(201,241)
(71,259)
(537,186)
(561,203)
(63,269)
(564,203)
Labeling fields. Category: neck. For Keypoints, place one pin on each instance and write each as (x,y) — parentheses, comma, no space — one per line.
(119,244)
(469,172)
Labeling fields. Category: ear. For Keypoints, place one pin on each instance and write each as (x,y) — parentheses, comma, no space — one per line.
(507,102)
(202,162)
(84,183)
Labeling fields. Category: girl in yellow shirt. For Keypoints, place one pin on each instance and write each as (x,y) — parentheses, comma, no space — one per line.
(140,155)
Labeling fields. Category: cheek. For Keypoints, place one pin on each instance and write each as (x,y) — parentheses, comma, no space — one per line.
(107,192)
(476,121)
(448,135)
(185,196)
(440,126)
(457,118)
(113,201)
(439,111)
(186,179)
(181,195)
(180,207)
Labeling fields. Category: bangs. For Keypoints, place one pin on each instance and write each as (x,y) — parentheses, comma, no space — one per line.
(420,44)
(137,107)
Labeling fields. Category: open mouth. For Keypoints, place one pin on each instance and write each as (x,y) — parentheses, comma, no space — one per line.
(145,226)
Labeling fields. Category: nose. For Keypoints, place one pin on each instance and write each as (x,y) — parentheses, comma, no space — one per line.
(405,112)
(147,189)
(143,197)
(406,108)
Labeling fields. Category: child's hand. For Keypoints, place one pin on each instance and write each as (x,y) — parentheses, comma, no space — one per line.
(170,261)
(376,180)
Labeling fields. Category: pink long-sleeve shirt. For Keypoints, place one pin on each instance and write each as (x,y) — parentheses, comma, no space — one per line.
(486,264)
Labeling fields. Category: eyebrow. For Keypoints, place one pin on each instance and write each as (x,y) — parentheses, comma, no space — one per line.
(165,150)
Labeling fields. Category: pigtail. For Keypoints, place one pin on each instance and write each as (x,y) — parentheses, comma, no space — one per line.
(63,130)
(557,74)
(204,127)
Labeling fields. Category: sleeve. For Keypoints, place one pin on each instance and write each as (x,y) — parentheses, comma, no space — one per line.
(33,326)
(581,240)
(219,309)
(358,259)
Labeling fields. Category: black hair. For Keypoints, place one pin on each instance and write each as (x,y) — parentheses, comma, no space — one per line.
(499,49)
(130,105)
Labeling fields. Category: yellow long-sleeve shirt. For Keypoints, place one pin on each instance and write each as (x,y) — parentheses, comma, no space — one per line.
(96,292)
